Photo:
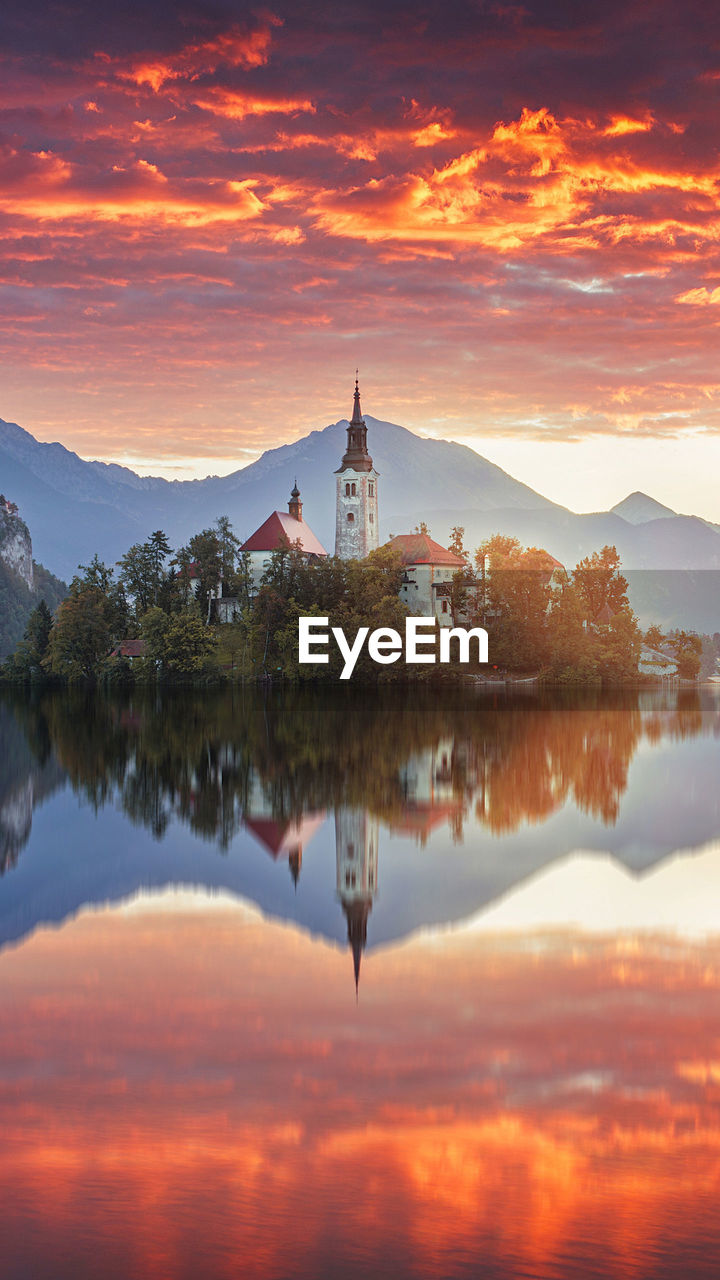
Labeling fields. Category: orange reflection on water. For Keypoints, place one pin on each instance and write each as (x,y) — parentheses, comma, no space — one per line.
(197,1092)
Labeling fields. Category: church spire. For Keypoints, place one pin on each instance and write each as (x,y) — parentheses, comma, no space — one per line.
(295,506)
(357,418)
(356,455)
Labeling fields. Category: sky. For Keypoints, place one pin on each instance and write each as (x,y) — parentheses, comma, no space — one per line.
(506,215)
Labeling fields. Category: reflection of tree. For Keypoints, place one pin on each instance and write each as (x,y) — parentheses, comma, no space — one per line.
(555,756)
(411,761)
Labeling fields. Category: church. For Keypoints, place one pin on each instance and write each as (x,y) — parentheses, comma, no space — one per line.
(428,568)
(356,496)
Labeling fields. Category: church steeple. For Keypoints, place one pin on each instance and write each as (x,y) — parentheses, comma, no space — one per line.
(356,456)
(357,418)
(295,506)
(356,851)
(356,492)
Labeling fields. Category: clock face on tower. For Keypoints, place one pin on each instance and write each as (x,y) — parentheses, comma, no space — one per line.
(356,502)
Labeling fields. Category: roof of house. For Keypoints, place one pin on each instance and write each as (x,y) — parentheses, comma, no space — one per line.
(129,649)
(281,838)
(419,548)
(281,525)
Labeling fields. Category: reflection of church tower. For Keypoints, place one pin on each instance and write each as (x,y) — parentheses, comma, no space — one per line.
(356,504)
(356,844)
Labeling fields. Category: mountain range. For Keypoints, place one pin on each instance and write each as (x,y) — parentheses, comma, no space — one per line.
(75,508)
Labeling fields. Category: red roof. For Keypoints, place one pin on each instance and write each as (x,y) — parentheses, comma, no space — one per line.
(420,819)
(281,838)
(129,649)
(418,548)
(282,525)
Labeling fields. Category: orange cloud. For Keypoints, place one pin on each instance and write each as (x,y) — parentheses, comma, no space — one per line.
(536,179)
(233,48)
(236,106)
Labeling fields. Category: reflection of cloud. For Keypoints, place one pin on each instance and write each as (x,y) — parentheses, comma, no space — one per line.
(479,1096)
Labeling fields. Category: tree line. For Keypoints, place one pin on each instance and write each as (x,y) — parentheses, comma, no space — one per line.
(153,615)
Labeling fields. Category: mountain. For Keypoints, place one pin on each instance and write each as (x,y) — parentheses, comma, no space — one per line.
(680,542)
(23,583)
(638,508)
(75,508)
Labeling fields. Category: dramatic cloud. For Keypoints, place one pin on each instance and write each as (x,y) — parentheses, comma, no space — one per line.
(508,216)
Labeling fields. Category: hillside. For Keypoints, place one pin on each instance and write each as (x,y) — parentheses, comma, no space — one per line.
(76,508)
(23,584)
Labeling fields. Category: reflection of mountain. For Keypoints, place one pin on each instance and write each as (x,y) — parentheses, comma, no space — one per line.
(26,778)
(468,797)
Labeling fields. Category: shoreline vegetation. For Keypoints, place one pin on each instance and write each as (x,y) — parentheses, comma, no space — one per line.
(154,618)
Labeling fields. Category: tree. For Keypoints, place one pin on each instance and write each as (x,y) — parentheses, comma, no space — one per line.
(187,645)
(206,561)
(32,648)
(137,575)
(457,546)
(98,577)
(654,637)
(153,630)
(686,648)
(516,596)
(571,656)
(142,571)
(81,637)
(602,586)
(229,547)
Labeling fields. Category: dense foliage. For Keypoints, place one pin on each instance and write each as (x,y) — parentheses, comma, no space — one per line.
(163,614)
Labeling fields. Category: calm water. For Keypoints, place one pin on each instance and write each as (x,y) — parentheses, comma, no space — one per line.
(360,985)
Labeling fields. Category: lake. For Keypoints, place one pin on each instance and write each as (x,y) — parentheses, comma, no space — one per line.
(349,983)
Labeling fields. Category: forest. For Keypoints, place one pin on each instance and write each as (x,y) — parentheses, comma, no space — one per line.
(154,616)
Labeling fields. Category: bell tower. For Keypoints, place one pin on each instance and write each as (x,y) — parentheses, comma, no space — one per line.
(356,852)
(356,502)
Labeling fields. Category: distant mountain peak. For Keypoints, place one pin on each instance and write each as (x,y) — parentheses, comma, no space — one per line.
(640,508)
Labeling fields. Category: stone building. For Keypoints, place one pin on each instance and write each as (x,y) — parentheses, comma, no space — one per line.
(427,580)
(356,503)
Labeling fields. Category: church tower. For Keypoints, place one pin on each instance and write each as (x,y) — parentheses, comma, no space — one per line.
(356,848)
(356,505)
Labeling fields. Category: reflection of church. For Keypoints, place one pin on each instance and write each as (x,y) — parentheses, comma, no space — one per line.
(427,785)
(282,837)
(356,852)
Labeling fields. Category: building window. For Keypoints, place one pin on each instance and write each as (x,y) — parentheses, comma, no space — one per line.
(353,490)
(444,606)
(351,851)
(371,489)
(347,490)
(351,518)
(371,518)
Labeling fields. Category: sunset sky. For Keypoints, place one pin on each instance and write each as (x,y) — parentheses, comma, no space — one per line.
(505,214)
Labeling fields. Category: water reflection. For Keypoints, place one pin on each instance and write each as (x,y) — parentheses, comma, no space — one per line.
(190,1093)
(188,1086)
(516,783)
